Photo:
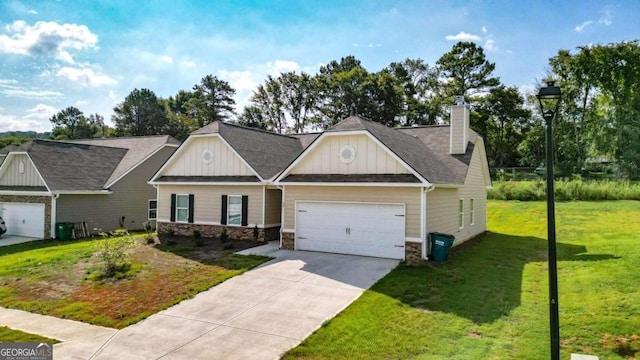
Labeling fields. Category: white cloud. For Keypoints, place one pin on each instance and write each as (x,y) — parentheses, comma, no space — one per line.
(34,119)
(32,12)
(489,45)
(19,92)
(584,25)
(41,112)
(189,64)
(606,17)
(462,36)
(85,76)
(46,39)
(166,58)
(8,82)
(484,29)
(246,81)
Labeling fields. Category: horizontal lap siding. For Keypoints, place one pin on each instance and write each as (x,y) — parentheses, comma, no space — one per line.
(442,204)
(129,198)
(408,196)
(208,206)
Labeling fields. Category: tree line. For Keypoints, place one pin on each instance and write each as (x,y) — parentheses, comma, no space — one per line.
(598,118)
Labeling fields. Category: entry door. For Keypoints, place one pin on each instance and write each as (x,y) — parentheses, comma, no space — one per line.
(23,219)
(351,228)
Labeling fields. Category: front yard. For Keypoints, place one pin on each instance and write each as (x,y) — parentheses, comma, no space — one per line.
(490,300)
(62,278)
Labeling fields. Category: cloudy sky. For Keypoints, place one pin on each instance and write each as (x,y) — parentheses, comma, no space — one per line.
(91,54)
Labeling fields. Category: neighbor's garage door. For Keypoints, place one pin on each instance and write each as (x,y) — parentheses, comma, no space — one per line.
(24,219)
(351,228)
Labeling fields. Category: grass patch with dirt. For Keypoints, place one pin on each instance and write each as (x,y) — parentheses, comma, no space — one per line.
(490,299)
(64,279)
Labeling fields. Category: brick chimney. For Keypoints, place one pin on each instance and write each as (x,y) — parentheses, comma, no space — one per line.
(459,127)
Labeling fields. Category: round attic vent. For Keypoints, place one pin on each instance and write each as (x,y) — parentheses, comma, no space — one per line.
(207,157)
(347,154)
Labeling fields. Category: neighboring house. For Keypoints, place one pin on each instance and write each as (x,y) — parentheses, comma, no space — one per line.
(358,188)
(102,182)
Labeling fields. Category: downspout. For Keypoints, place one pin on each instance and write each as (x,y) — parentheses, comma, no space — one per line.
(423,220)
(54,205)
(281,213)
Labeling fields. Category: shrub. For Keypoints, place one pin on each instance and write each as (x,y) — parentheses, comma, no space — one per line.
(569,190)
(224,236)
(113,253)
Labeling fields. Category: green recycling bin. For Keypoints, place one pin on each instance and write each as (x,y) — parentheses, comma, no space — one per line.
(440,245)
(64,231)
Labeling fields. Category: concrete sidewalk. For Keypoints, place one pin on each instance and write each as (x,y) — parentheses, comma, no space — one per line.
(52,327)
(258,315)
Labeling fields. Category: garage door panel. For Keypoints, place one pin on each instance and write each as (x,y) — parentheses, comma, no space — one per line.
(24,219)
(351,228)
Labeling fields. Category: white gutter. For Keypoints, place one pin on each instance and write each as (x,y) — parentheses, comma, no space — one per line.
(54,206)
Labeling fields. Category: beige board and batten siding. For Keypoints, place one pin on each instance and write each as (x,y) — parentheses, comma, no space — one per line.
(442,204)
(208,202)
(272,206)
(370,157)
(129,198)
(21,172)
(191,161)
(363,194)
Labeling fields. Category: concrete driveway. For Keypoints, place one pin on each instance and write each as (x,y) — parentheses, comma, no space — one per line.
(258,315)
(6,240)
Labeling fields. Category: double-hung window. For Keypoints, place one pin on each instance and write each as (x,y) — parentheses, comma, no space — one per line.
(182,208)
(461,213)
(234,210)
(153,210)
(472,212)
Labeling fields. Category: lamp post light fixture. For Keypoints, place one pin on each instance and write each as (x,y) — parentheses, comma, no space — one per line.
(549,98)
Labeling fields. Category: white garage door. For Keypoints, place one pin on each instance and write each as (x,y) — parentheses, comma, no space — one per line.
(24,219)
(351,228)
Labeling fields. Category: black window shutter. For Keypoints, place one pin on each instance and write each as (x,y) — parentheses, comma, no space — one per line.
(173,208)
(245,210)
(223,217)
(191,201)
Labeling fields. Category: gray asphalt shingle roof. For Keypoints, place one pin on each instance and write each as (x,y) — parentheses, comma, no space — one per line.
(266,152)
(425,149)
(81,165)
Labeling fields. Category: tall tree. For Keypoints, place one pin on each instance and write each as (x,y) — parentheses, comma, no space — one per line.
(213,101)
(419,82)
(71,123)
(507,119)
(141,113)
(466,71)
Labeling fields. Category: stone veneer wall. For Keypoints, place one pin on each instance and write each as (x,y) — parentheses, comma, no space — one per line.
(413,252)
(211,231)
(32,199)
(288,241)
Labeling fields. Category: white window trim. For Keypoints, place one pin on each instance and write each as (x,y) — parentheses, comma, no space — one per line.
(149,209)
(461,213)
(472,211)
(177,207)
(229,209)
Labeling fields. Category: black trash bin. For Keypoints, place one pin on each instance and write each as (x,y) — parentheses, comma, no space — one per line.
(440,245)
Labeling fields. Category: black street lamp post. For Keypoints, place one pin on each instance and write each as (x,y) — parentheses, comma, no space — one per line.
(549,98)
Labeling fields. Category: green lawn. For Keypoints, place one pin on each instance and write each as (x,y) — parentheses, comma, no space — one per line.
(62,279)
(10,335)
(490,300)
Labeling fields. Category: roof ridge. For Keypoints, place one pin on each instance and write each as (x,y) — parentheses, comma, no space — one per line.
(256,129)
